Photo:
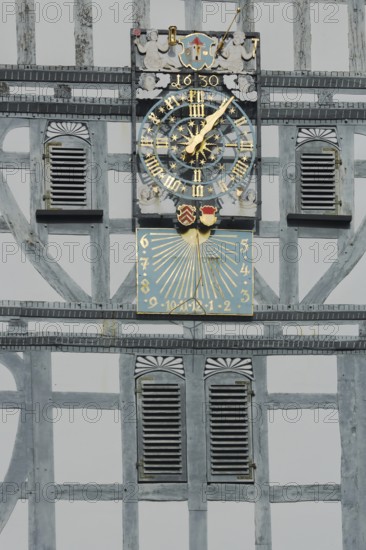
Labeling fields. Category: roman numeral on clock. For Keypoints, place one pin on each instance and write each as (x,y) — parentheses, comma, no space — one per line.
(240,168)
(153,165)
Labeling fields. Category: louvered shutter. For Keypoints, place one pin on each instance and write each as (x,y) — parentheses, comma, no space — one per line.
(67,183)
(318,180)
(229,430)
(161,428)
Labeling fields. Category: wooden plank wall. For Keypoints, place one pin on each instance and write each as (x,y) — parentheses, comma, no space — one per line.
(351,369)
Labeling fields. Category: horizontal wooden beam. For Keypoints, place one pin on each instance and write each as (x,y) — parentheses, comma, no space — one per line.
(302,401)
(170,492)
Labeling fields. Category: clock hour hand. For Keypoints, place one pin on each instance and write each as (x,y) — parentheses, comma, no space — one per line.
(210,122)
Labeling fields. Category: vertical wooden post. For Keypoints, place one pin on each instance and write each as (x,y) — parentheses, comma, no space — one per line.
(193,14)
(26,32)
(42,529)
(129,451)
(83,32)
(196,451)
(289,251)
(348,429)
(143,13)
(359,362)
(100,266)
(246,21)
(263,535)
(302,35)
(356,36)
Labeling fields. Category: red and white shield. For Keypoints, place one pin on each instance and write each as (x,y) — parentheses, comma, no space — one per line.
(187,214)
(208,215)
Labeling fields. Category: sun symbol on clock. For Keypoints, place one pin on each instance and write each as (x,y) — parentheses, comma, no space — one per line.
(207,151)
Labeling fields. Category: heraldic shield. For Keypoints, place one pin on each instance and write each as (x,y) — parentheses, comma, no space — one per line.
(197,51)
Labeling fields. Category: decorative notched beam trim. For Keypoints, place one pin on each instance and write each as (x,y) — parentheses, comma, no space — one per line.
(341,344)
(127,311)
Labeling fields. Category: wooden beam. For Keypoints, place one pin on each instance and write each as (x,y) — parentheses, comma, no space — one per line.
(36,250)
(26,31)
(302,401)
(194,14)
(348,428)
(126,293)
(289,261)
(83,400)
(83,33)
(302,35)
(356,36)
(348,257)
(41,508)
(196,451)
(143,13)
(263,293)
(263,537)
(99,238)
(129,452)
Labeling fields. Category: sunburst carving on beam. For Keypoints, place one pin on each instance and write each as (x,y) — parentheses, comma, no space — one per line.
(214,365)
(148,363)
(328,135)
(64,128)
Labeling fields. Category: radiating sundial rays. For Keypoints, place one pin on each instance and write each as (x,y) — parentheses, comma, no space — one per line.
(200,272)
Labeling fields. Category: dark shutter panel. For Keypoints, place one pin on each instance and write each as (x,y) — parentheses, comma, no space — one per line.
(229,430)
(66,168)
(318,181)
(161,428)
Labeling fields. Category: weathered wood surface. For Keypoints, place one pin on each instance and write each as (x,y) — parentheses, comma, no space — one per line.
(99,238)
(129,452)
(193,14)
(42,533)
(302,35)
(196,451)
(263,536)
(348,433)
(83,33)
(126,293)
(289,262)
(36,250)
(26,31)
(356,35)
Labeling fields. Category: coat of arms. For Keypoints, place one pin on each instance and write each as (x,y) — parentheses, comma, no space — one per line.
(208,217)
(187,214)
(197,51)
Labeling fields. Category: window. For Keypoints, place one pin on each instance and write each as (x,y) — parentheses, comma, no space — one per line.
(161,427)
(67,158)
(229,442)
(319,178)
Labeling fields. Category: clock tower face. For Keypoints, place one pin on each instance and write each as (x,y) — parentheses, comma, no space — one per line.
(197,144)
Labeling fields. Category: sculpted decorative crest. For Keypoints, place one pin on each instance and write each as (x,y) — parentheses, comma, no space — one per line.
(197,51)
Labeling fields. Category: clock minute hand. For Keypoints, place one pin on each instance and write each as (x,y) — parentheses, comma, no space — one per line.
(209,124)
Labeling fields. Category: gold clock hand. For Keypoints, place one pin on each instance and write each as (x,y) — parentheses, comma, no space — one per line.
(210,122)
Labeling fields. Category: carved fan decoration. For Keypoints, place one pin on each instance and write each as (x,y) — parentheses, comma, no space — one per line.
(146,363)
(222,364)
(317,134)
(74,129)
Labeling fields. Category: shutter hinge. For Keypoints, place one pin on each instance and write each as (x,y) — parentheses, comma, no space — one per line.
(253,465)
(47,199)
(252,393)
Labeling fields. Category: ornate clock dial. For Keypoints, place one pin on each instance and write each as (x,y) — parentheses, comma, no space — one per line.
(194,272)
(197,144)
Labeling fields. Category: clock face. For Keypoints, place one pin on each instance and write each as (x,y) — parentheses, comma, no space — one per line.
(197,144)
(194,272)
